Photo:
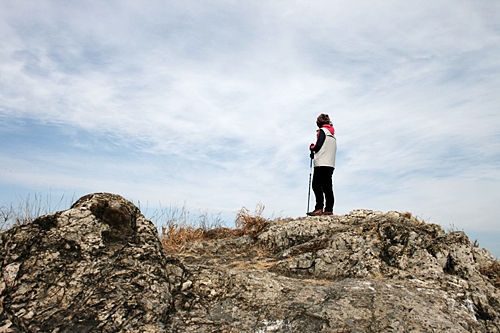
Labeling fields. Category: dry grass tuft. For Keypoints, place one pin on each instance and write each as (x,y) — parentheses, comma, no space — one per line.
(174,238)
(180,227)
(251,225)
(410,216)
(453,229)
(8,218)
(28,209)
(407,215)
(492,271)
(178,232)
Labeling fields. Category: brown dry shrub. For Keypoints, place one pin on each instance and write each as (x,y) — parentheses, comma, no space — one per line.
(251,225)
(180,226)
(221,233)
(174,237)
(407,215)
(492,271)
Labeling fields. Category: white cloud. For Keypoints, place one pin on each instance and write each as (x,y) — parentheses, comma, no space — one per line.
(216,103)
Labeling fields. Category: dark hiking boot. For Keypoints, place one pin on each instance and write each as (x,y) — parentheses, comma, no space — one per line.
(316,212)
(327,213)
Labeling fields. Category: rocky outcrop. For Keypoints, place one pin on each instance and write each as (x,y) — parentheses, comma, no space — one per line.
(97,267)
(100,267)
(361,272)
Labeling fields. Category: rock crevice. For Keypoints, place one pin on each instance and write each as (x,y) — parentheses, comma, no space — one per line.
(100,267)
(97,267)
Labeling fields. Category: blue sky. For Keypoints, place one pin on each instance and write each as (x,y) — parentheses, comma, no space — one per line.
(213,104)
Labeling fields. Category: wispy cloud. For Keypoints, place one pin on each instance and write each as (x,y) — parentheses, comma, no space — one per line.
(215,103)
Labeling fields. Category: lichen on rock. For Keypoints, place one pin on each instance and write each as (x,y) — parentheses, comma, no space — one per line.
(97,267)
(364,271)
(100,267)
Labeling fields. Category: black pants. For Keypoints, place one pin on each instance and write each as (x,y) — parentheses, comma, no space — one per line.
(322,184)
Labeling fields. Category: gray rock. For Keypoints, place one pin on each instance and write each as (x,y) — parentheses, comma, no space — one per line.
(97,267)
(361,272)
(100,267)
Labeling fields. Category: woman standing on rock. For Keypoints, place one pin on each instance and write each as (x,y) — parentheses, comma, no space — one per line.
(323,152)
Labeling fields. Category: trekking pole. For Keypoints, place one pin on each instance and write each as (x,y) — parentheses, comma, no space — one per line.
(309,194)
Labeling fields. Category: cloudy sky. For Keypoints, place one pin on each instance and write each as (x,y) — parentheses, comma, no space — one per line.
(212,104)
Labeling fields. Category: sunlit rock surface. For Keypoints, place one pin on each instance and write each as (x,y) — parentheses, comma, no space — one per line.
(97,267)
(100,267)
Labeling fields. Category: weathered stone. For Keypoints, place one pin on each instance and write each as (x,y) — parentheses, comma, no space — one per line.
(97,267)
(361,272)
